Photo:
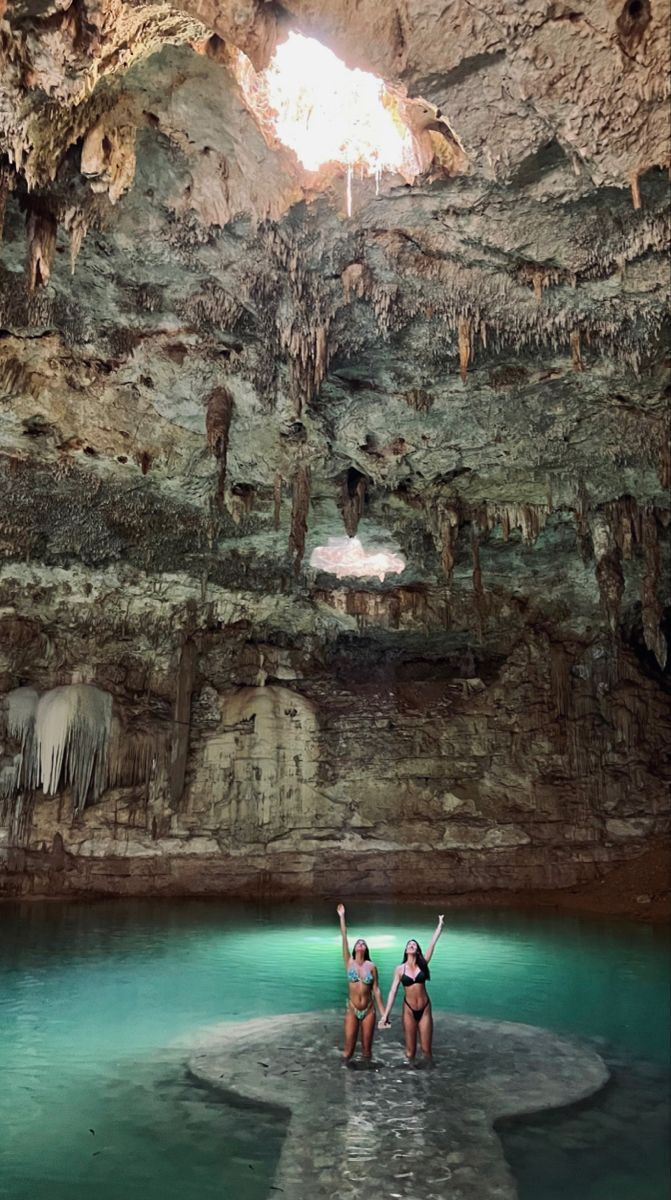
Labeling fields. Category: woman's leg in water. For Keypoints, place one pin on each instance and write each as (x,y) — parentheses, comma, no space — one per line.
(410,1033)
(426,1031)
(351,1029)
(367,1033)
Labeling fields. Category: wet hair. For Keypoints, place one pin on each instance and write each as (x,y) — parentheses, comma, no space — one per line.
(366,951)
(419,958)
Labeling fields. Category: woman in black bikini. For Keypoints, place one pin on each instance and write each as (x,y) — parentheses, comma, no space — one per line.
(414,974)
(362,985)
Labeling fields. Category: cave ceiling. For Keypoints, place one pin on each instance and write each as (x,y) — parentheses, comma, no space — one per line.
(207,367)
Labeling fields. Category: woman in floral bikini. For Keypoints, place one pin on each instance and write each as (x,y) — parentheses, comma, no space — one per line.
(363,986)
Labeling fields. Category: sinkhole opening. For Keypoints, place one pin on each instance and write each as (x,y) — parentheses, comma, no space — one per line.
(328,113)
(347,558)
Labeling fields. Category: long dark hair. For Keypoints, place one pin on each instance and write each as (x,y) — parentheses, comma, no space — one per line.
(419,959)
(366,952)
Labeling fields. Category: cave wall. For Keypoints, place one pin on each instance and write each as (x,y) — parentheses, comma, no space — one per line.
(375,773)
(211,364)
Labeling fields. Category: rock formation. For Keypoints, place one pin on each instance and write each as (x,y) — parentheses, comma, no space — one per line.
(208,369)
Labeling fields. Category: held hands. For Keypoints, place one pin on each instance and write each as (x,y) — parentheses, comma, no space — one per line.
(384,1022)
(441,920)
(341,910)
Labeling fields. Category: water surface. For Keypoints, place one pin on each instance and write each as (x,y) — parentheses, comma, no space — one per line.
(95,999)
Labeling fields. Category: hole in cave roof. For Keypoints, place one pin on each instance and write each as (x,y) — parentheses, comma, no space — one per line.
(347,558)
(327,113)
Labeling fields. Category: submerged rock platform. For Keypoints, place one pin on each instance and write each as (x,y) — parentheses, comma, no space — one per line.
(388,1128)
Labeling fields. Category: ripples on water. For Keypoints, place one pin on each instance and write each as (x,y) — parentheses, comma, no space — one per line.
(95,999)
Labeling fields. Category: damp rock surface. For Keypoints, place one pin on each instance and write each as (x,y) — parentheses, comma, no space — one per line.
(209,370)
(389,1128)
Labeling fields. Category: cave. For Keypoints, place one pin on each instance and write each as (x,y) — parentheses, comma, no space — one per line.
(335,526)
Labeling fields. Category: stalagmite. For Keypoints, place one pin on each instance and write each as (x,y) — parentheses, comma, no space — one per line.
(299,515)
(41,229)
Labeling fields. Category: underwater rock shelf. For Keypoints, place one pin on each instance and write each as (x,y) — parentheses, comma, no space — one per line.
(391,1129)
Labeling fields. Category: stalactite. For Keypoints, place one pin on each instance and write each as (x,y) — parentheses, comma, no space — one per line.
(308,355)
(41,229)
(218,415)
(132,756)
(108,154)
(560,678)
(625,520)
(420,400)
(182,720)
(530,519)
(72,727)
(664,468)
(352,499)
(576,355)
(6,180)
(299,515)
(20,711)
(76,224)
(478,591)
(608,568)
(448,526)
(650,603)
(636,189)
(464,339)
(277,501)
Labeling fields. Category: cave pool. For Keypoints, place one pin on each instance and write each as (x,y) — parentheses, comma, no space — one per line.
(99,999)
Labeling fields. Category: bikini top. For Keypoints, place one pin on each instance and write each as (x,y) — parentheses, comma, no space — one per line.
(407,980)
(354,976)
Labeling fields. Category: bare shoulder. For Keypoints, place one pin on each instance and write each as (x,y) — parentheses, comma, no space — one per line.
(400,969)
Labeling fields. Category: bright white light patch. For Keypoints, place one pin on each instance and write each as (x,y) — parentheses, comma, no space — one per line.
(346,558)
(327,113)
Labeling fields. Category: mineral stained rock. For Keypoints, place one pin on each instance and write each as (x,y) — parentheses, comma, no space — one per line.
(468,372)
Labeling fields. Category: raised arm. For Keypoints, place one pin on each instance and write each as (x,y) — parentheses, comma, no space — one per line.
(437,932)
(384,1019)
(343,932)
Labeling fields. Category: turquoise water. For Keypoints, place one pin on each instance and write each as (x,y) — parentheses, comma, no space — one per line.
(96,998)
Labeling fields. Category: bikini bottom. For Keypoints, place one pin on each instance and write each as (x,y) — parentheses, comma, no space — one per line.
(417,1013)
(360,1013)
